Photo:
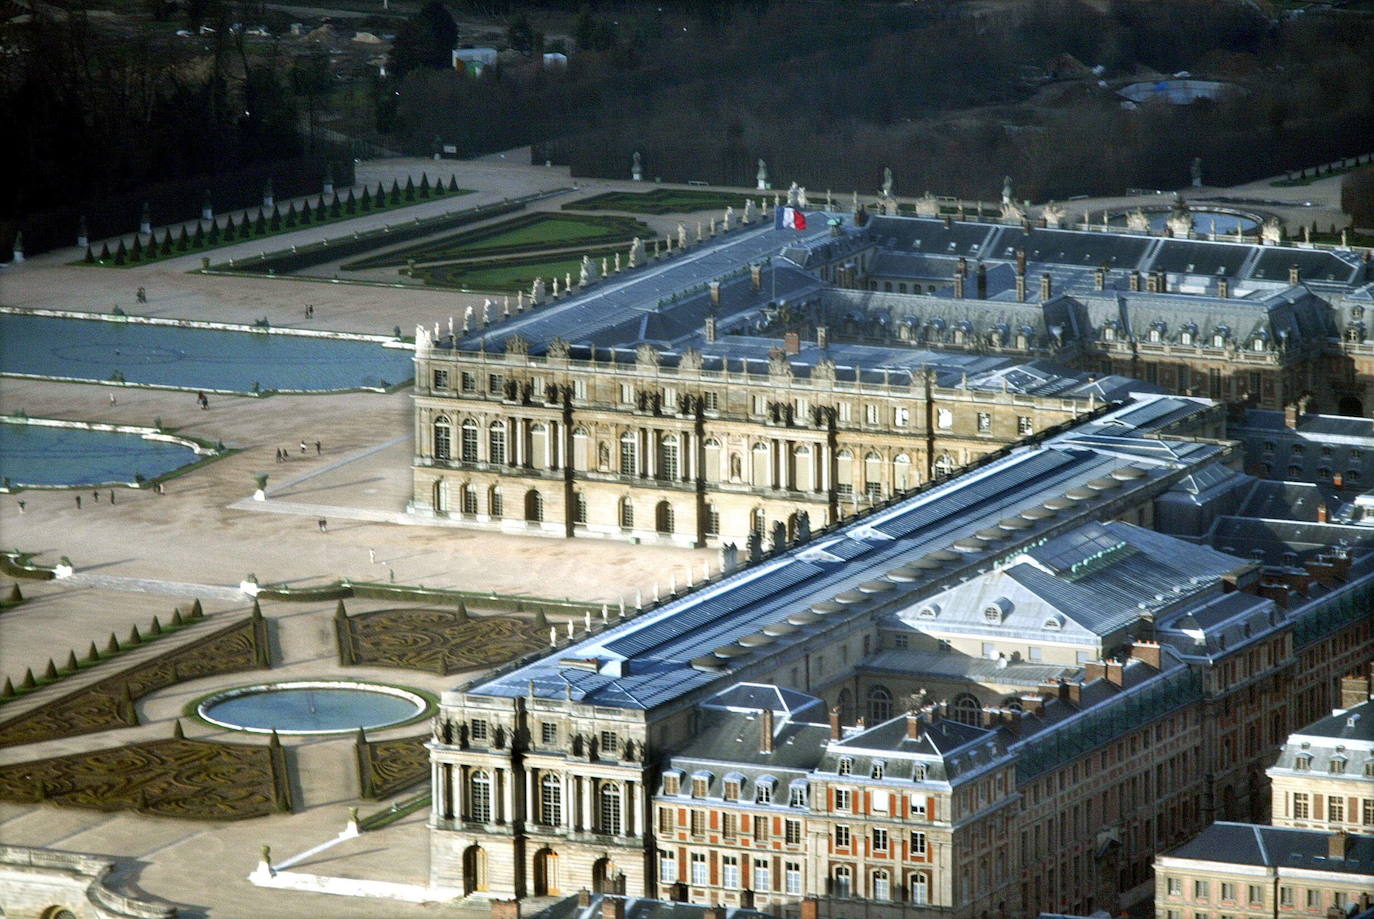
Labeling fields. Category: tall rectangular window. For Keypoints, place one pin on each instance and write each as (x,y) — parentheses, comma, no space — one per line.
(841,837)
(496,384)
(551,801)
(729,872)
(700,877)
(496,452)
(698,823)
(469,382)
(762,879)
(918,844)
(1024,426)
(984,422)
(1300,806)
(440,379)
(729,825)
(443,441)
(469,443)
(793,877)
(1335,809)
(879,839)
(870,414)
(844,800)
(629,455)
(667,868)
(791,832)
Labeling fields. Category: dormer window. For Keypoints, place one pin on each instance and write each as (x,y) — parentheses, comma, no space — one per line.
(1337,765)
(1185,338)
(700,786)
(879,770)
(997,611)
(1053,623)
(1108,333)
(796,796)
(732,789)
(1154,335)
(672,783)
(929,611)
(918,773)
(763,791)
(846,766)
(1303,763)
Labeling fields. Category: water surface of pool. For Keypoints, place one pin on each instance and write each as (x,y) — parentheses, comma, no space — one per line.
(48,457)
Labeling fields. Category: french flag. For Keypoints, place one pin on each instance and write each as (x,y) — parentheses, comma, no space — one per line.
(790,218)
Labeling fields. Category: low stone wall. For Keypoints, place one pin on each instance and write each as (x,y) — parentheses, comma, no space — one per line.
(388,340)
(37,882)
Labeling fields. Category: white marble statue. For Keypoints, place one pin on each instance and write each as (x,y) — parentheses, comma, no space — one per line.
(681,237)
(749,211)
(761,177)
(1137,222)
(792,195)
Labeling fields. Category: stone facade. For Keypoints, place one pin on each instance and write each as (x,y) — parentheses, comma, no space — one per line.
(47,884)
(680,454)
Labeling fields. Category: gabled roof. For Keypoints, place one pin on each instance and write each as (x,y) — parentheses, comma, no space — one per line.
(1276,847)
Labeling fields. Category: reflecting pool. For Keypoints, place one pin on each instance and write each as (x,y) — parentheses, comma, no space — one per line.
(323,707)
(40,456)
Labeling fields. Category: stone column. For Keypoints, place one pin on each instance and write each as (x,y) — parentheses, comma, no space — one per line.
(654,443)
(588,824)
(686,458)
(789,466)
(531,809)
(551,446)
(459,790)
(438,798)
(628,796)
(507,795)
(567,812)
(774,465)
(643,453)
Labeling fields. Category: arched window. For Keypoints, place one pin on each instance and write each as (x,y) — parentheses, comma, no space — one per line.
(469,444)
(551,800)
(440,503)
(762,468)
(474,869)
(479,797)
(882,886)
(629,453)
(844,473)
(534,506)
(469,496)
(803,472)
(443,438)
(580,507)
(873,475)
(844,881)
(944,465)
(712,520)
(967,709)
(610,809)
(920,888)
(879,704)
(845,703)
(663,517)
(541,456)
(627,514)
(758,521)
(495,506)
(901,472)
(668,465)
(580,449)
(712,468)
(496,443)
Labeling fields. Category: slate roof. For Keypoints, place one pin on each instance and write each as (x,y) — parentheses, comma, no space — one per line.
(642,908)
(1352,724)
(1275,847)
(1282,542)
(949,664)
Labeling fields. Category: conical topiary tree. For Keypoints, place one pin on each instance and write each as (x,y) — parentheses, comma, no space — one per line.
(198,240)
(121,254)
(452,184)
(246,227)
(260,225)
(50,671)
(71,666)
(274,224)
(410,189)
(395,192)
(230,229)
(321,213)
(290,219)
(8,692)
(424,185)
(183,240)
(336,206)
(136,250)
(176,617)
(167,241)
(197,611)
(380,196)
(134,637)
(112,646)
(156,627)
(92,654)
(305,220)
(29,682)
(351,203)
(90,256)
(365,202)
(212,235)
(16,595)
(104,252)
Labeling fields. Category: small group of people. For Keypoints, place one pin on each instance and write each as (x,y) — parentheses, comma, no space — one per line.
(95,496)
(284,455)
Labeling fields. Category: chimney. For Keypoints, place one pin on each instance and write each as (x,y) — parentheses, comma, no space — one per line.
(982,281)
(959,285)
(1135,281)
(811,906)
(1330,570)
(1072,692)
(612,908)
(791,342)
(1020,288)
(713,912)
(1338,480)
(835,732)
(756,276)
(1293,275)
(822,336)
(1338,845)
(1116,673)
(1356,689)
(711,327)
(1032,703)
(1020,261)
(913,726)
(1094,670)
(1149,652)
(1321,512)
(766,731)
(1046,286)
(715,293)
(1291,413)
(1152,283)
(1223,288)
(584,898)
(1100,276)
(505,909)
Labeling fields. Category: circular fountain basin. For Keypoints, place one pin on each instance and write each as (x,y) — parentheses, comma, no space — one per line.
(311,707)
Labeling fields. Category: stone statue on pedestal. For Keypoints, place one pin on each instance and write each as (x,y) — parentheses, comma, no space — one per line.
(927,206)
(1054,215)
(681,238)
(762,176)
(1136,221)
(887,181)
(792,195)
(1197,172)
(637,168)
(749,211)
(1006,190)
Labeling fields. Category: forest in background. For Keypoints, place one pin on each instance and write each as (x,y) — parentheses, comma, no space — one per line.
(949,98)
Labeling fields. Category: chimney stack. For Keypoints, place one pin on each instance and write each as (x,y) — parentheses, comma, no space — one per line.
(1020,261)
(766,732)
(822,336)
(711,327)
(715,293)
(959,283)
(1115,673)
(982,281)
(1149,652)
(791,342)
(1032,703)
(1293,275)
(1020,288)
(1046,286)
(1356,689)
(1100,277)
(1135,281)
(584,898)
(756,276)
(1321,512)
(612,908)
(913,725)
(1152,283)
(835,722)
(1223,288)
(1163,282)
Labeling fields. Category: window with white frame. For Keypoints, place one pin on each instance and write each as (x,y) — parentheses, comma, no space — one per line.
(843,881)
(667,868)
(792,878)
(918,843)
(882,886)
(729,872)
(762,879)
(700,876)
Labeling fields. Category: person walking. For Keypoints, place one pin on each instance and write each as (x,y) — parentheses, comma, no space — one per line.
(318,450)
(95,496)
(303,448)
(22,505)
(78,502)
(113,400)
(324,525)
(112,496)
(372,556)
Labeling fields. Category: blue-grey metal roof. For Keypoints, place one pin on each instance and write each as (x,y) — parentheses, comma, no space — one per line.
(1276,847)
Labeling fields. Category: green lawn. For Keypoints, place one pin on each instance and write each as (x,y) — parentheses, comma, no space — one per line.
(664,201)
(511,275)
(525,234)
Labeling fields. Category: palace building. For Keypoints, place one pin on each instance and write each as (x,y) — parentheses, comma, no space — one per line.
(766,381)
(1000,694)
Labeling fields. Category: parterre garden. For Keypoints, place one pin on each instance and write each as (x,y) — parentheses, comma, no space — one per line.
(660,201)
